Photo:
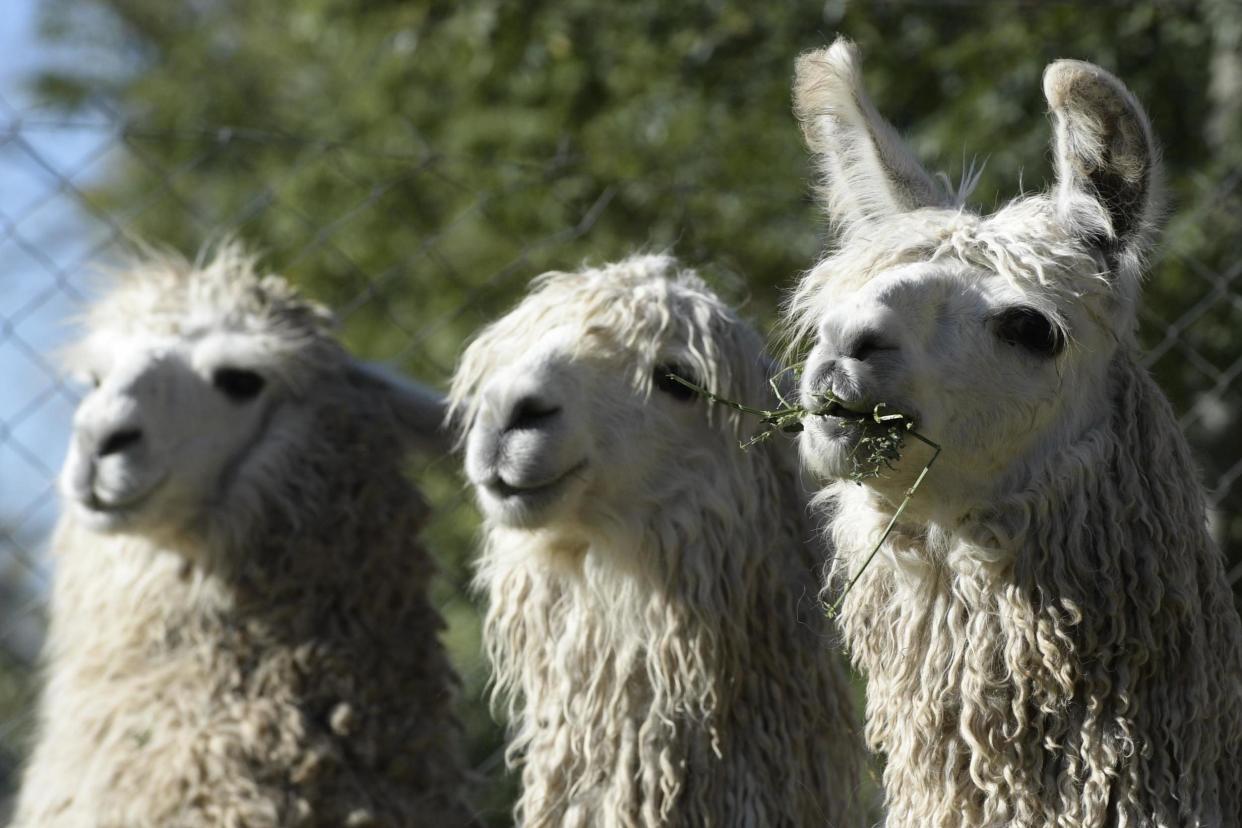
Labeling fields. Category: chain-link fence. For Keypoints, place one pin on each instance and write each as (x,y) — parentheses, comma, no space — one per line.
(58,236)
(402,244)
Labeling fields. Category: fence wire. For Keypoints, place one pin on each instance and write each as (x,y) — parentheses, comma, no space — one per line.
(56,225)
(56,232)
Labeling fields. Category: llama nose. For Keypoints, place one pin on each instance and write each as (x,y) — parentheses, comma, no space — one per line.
(118,441)
(846,337)
(820,373)
(531,413)
(864,345)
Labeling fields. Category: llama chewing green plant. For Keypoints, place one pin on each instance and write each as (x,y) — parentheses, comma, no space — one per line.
(877,449)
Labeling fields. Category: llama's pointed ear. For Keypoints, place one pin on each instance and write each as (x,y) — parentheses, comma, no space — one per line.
(868,172)
(1106,162)
(419,410)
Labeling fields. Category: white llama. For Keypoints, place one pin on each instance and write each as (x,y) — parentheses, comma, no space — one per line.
(652,619)
(1048,635)
(240,634)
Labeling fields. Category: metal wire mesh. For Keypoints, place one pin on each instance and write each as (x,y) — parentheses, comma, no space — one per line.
(54,227)
(55,233)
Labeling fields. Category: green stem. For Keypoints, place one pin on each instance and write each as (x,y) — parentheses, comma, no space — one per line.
(785,418)
(736,406)
(835,609)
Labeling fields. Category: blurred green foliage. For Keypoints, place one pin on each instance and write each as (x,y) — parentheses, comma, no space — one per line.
(413,163)
(17,679)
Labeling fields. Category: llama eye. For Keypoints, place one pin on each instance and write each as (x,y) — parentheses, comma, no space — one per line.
(238,384)
(1028,328)
(668,385)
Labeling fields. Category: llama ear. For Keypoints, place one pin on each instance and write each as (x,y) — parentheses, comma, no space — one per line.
(1106,162)
(868,172)
(419,410)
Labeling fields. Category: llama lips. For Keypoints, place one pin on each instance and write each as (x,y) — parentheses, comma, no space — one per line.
(521,489)
(853,444)
(863,414)
(524,503)
(109,505)
(116,504)
(880,416)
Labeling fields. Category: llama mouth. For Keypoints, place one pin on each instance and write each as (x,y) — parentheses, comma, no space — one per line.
(856,416)
(831,422)
(856,427)
(119,507)
(524,505)
(504,490)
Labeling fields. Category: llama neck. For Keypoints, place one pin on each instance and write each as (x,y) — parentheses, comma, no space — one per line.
(627,699)
(610,690)
(1076,614)
(125,593)
(155,662)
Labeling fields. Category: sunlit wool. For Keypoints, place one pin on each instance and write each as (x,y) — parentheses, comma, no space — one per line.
(657,645)
(258,650)
(1049,637)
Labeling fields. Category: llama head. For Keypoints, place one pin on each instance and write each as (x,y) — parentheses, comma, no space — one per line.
(993,332)
(571,428)
(206,383)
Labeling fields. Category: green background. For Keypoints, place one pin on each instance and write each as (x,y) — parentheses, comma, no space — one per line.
(413,164)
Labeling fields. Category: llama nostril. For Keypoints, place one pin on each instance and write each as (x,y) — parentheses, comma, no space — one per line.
(818,378)
(118,441)
(866,345)
(530,413)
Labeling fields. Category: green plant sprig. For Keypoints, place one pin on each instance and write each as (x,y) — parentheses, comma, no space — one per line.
(834,608)
(788,418)
(878,450)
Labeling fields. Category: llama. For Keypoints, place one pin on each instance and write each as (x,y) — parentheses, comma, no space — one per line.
(1047,634)
(240,634)
(652,619)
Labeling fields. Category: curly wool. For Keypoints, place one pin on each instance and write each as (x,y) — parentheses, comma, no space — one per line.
(679,673)
(282,669)
(1070,655)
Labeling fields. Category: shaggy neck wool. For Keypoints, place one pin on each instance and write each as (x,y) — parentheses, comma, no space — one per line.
(289,675)
(694,687)
(1070,655)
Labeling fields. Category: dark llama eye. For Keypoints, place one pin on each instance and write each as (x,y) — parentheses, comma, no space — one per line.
(1029,329)
(660,377)
(238,384)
